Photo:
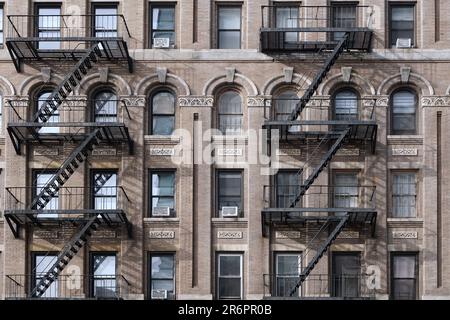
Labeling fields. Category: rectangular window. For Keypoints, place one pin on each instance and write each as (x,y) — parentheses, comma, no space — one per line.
(229,27)
(404,276)
(342,16)
(287,271)
(42,263)
(287,188)
(401,25)
(103,275)
(162,193)
(162,24)
(404,195)
(41,179)
(345,193)
(105,21)
(229,190)
(48,26)
(104,190)
(162,276)
(346,274)
(229,276)
(1,25)
(288,17)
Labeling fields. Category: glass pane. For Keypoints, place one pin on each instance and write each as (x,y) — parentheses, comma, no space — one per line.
(163,103)
(104,265)
(163,267)
(344,16)
(41,181)
(284,105)
(163,18)
(49,18)
(229,288)
(288,265)
(163,184)
(403,13)
(230,265)
(230,183)
(404,102)
(404,289)
(163,285)
(105,107)
(346,105)
(230,18)
(288,184)
(105,19)
(105,191)
(229,40)
(163,125)
(41,102)
(43,265)
(286,17)
(105,287)
(346,190)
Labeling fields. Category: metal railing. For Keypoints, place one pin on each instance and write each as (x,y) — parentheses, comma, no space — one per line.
(321,196)
(51,28)
(19,286)
(291,16)
(73,111)
(69,198)
(320,286)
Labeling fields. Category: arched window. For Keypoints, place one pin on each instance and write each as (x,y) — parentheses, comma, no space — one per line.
(230,113)
(284,104)
(346,105)
(403,112)
(162,113)
(105,106)
(40,102)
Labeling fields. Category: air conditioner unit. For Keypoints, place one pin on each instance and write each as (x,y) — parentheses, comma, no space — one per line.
(229,211)
(161,211)
(161,43)
(403,43)
(159,294)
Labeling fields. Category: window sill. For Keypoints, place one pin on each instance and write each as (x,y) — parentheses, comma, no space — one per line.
(229,138)
(162,139)
(228,221)
(154,219)
(412,139)
(405,222)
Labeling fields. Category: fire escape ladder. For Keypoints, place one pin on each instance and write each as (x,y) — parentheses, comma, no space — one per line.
(322,165)
(320,252)
(332,58)
(70,82)
(66,255)
(69,166)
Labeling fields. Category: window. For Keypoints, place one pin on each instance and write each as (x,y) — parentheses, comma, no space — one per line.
(404,276)
(403,112)
(285,103)
(162,276)
(401,23)
(41,101)
(48,26)
(1,25)
(162,117)
(105,21)
(230,113)
(346,105)
(42,263)
(105,106)
(162,193)
(287,272)
(287,188)
(229,276)
(229,192)
(345,193)
(162,23)
(229,27)
(288,17)
(342,16)
(103,275)
(104,184)
(346,274)
(404,195)
(41,179)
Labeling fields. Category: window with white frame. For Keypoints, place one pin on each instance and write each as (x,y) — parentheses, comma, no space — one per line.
(229,276)
(105,106)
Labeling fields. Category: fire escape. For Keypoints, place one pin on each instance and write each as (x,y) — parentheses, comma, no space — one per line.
(319,35)
(77,43)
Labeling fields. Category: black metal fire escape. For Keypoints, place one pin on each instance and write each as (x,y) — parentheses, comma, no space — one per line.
(340,133)
(90,135)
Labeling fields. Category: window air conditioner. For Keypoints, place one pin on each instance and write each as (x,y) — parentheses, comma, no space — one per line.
(229,211)
(159,294)
(161,211)
(161,43)
(403,43)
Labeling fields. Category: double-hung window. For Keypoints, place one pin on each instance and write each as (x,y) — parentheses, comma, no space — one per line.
(48,26)
(401,23)
(162,24)
(42,263)
(105,21)
(162,193)
(229,193)
(403,112)
(287,271)
(103,279)
(104,184)
(229,27)
(404,276)
(345,193)
(229,276)
(404,195)
(162,276)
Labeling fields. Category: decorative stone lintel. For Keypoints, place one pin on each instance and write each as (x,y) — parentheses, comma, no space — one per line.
(435,101)
(346,73)
(46,74)
(162,74)
(17,101)
(133,101)
(196,101)
(104,74)
(229,234)
(230,72)
(161,234)
(287,234)
(402,151)
(288,73)
(404,234)
(404,74)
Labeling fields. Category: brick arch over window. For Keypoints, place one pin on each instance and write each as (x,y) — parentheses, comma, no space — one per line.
(6,87)
(276,83)
(91,82)
(361,84)
(148,83)
(393,82)
(239,80)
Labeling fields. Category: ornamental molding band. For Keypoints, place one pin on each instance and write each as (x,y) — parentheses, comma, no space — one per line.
(435,101)
(382,101)
(319,101)
(133,101)
(17,101)
(196,101)
(258,101)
